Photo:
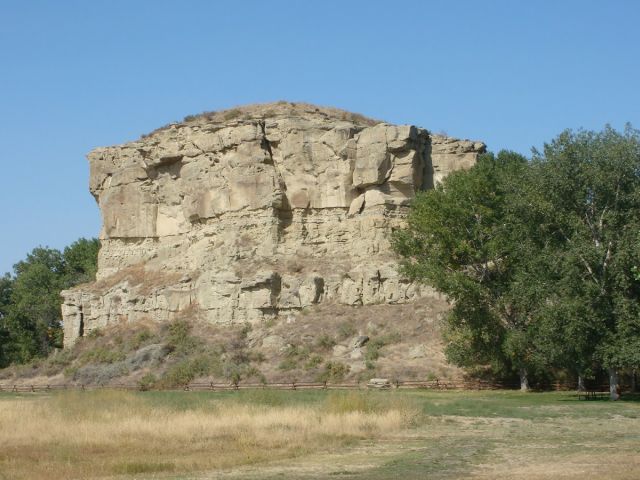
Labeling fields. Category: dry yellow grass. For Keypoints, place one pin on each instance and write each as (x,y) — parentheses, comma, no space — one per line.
(94,434)
(319,435)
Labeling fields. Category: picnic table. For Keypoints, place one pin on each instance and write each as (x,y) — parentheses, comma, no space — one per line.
(592,395)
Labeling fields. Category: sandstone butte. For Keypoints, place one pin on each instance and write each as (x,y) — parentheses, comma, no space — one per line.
(254,214)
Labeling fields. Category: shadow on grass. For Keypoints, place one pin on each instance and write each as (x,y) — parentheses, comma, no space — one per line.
(625,397)
(630,397)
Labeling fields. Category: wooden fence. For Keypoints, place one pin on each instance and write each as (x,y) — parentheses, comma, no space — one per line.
(460,384)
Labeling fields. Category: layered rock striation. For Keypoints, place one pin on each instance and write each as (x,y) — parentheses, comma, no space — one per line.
(255,213)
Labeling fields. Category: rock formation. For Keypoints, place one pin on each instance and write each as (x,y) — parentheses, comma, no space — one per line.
(254,213)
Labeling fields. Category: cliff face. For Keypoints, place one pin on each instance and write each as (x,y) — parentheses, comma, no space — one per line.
(255,213)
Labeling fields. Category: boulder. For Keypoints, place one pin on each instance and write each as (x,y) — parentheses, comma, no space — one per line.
(379,383)
(359,341)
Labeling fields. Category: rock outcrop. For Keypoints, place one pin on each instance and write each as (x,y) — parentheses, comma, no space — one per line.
(255,213)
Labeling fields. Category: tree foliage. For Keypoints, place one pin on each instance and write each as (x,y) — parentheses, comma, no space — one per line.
(587,203)
(30,317)
(464,239)
(540,258)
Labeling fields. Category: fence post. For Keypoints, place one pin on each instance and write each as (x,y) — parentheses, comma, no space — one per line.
(293,385)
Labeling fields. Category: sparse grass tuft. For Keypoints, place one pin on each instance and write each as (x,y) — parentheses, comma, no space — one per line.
(346,330)
(231,114)
(288,364)
(372,352)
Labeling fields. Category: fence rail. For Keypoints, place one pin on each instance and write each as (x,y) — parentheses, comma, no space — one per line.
(460,384)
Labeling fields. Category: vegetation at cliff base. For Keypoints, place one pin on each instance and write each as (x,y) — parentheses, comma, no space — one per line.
(539,257)
(30,317)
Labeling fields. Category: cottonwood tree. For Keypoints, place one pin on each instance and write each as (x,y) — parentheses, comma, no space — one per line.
(587,203)
(464,239)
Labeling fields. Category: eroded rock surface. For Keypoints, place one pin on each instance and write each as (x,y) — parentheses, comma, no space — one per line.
(255,213)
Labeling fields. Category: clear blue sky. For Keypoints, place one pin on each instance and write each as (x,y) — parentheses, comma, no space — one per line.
(75,75)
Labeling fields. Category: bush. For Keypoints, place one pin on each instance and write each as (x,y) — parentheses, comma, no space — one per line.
(313,362)
(101,355)
(295,356)
(140,338)
(179,338)
(326,342)
(58,361)
(99,374)
(296,351)
(147,382)
(373,346)
(185,370)
(333,372)
(237,371)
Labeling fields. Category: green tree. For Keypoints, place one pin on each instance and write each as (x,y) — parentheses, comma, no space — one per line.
(464,238)
(6,286)
(30,316)
(587,203)
(34,314)
(81,261)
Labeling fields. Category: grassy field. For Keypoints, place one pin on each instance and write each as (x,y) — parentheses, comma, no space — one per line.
(317,435)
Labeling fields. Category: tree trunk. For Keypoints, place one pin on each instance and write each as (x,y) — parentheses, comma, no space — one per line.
(614,388)
(524,381)
(634,384)
(581,387)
